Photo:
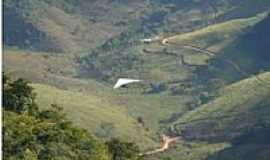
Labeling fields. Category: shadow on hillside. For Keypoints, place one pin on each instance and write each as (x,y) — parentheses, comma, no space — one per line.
(250,52)
(254,144)
(17,32)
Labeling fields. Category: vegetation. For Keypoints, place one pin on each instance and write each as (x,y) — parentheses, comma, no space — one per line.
(104,117)
(74,51)
(122,150)
(215,34)
(18,97)
(241,106)
(31,133)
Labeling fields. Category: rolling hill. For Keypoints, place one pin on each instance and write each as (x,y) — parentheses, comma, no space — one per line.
(241,106)
(234,125)
(74,51)
(65,26)
(96,114)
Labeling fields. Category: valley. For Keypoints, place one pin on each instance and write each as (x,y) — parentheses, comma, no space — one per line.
(206,78)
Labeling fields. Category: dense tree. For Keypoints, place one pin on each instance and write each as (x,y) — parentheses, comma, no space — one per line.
(123,150)
(18,96)
(33,134)
(27,137)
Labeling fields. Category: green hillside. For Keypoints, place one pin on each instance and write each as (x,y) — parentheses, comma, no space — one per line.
(241,106)
(73,52)
(64,26)
(251,47)
(96,114)
(218,35)
(235,41)
(33,132)
(235,125)
(136,58)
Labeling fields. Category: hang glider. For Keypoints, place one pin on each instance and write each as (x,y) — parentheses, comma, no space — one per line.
(125,81)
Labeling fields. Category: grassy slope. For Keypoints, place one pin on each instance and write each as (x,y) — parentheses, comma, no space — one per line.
(61,26)
(159,68)
(154,107)
(151,107)
(250,48)
(246,8)
(171,17)
(248,152)
(34,66)
(22,61)
(90,111)
(225,39)
(214,37)
(156,62)
(218,35)
(240,106)
(190,151)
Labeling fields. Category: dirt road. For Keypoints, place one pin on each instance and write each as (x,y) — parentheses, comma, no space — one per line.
(166,142)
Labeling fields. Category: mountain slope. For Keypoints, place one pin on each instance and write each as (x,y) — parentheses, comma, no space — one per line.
(65,26)
(96,114)
(75,50)
(241,106)
(235,125)
(215,35)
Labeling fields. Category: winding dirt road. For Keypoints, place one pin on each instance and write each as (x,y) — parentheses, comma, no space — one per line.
(168,41)
(166,142)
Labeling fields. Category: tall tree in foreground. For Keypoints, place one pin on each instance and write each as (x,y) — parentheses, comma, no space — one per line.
(123,150)
(34,134)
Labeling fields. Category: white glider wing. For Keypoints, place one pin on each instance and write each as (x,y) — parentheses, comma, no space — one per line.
(123,81)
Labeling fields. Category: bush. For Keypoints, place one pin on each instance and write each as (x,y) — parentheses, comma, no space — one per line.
(123,150)
(18,96)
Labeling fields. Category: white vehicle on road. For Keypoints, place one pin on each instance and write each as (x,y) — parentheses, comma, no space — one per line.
(149,40)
